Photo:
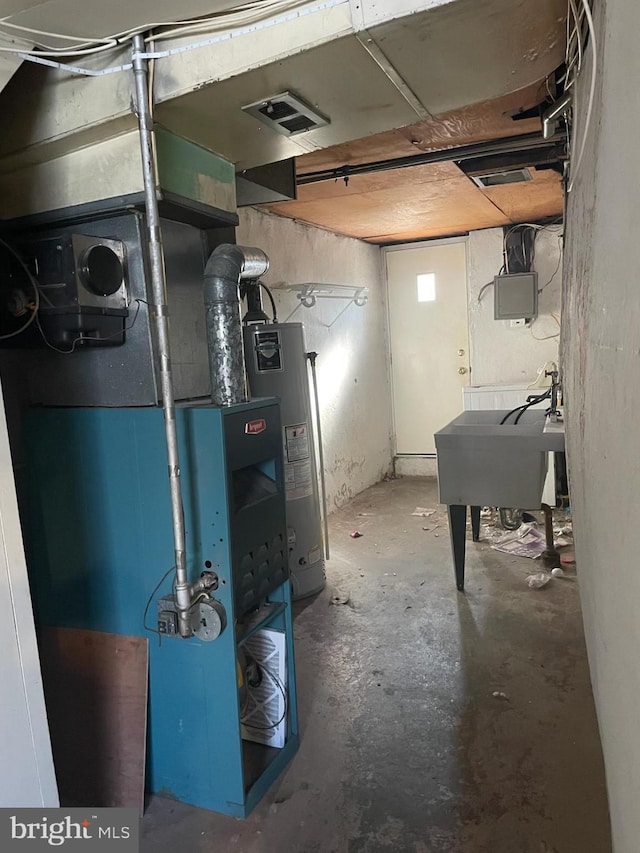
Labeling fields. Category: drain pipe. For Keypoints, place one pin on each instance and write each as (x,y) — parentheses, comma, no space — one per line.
(160,316)
(226,267)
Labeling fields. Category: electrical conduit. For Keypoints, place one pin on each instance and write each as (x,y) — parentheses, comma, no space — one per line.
(160,317)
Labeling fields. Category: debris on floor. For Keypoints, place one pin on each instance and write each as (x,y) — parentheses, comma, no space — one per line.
(538,580)
(491,534)
(355,534)
(339,598)
(557,572)
(494,773)
(423,512)
(526,541)
(563,535)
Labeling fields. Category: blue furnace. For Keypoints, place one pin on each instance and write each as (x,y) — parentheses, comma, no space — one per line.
(100,540)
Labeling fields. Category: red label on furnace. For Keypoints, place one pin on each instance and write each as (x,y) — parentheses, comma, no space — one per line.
(254,427)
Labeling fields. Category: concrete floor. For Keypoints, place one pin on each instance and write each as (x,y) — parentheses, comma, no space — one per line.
(404,747)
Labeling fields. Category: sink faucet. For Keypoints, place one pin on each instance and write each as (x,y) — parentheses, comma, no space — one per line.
(555,387)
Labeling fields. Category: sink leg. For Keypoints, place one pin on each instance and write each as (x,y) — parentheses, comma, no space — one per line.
(457,531)
(551,554)
(475,522)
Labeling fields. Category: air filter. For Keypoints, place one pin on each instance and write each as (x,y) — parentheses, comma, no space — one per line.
(264,717)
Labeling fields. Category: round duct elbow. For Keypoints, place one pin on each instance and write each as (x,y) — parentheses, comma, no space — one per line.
(227,265)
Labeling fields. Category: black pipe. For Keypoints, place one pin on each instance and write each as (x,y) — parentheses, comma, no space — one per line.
(255,314)
(272,300)
(531,401)
(456,154)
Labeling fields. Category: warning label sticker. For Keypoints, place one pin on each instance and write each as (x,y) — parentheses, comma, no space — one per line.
(297,466)
(296,442)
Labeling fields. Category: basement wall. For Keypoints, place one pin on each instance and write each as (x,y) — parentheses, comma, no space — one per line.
(501,355)
(601,358)
(353,375)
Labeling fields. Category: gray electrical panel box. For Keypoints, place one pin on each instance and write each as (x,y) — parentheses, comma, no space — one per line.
(516,296)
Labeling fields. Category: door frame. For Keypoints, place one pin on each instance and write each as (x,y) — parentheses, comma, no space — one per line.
(401,247)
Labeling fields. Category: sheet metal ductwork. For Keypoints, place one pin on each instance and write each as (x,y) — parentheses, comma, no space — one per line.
(226,267)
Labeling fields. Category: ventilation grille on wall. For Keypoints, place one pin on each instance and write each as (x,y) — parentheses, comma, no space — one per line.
(496,179)
(286,114)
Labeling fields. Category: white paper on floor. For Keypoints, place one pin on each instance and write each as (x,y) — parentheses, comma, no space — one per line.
(423,512)
(527,541)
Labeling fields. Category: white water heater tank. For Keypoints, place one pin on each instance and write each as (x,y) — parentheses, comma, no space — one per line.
(276,363)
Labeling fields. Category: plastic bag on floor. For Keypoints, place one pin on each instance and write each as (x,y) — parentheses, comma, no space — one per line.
(527,541)
(538,580)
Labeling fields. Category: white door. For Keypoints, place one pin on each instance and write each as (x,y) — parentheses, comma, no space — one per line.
(27,778)
(429,337)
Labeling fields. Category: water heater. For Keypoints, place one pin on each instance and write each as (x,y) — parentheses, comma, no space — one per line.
(277,367)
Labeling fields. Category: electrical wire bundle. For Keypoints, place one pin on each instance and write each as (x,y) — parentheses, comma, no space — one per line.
(33,306)
(42,46)
(580,35)
(519,248)
(532,400)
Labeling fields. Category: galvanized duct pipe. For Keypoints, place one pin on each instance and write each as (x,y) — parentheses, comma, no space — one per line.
(227,265)
(160,316)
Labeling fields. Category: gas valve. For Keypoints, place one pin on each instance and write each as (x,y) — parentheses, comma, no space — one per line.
(208,619)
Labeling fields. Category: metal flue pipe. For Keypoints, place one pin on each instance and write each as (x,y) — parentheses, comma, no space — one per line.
(226,267)
(160,317)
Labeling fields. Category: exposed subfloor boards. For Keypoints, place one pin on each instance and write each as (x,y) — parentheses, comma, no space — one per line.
(404,746)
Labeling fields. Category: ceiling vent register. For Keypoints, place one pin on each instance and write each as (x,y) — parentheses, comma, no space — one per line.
(286,114)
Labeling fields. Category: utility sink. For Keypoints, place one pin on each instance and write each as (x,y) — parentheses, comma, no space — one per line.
(482,462)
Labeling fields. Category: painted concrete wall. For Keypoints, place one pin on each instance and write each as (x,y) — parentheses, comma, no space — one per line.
(501,355)
(352,363)
(601,358)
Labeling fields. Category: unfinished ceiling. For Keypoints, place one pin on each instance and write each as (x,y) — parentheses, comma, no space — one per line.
(425,64)
(355,61)
(426,201)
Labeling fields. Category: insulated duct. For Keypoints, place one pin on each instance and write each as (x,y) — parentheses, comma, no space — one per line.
(226,267)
